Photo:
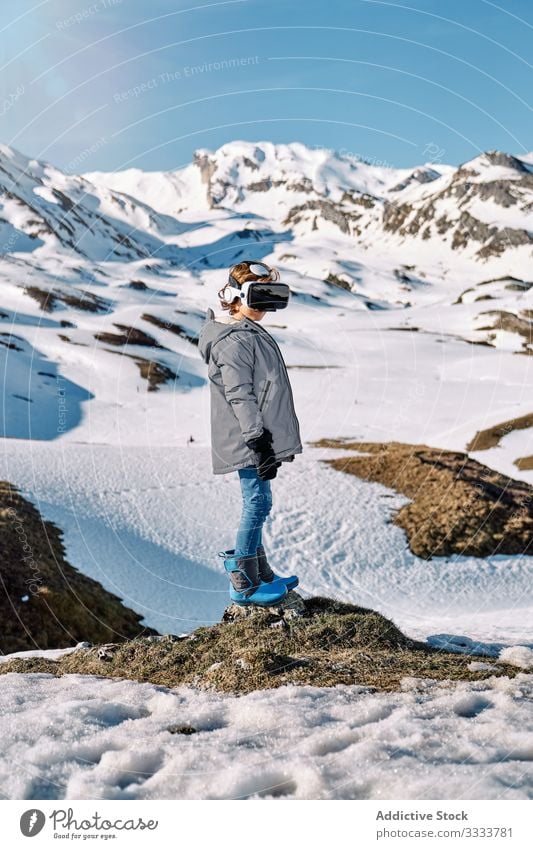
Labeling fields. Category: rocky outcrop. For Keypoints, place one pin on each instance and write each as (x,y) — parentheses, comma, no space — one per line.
(510,323)
(327,210)
(207,170)
(504,160)
(419,175)
(423,217)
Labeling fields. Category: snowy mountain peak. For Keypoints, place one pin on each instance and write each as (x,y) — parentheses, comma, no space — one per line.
(491,160)
(239,169)
(291,188)
(11,154)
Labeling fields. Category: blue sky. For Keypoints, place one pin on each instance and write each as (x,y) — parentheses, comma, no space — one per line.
(111,84)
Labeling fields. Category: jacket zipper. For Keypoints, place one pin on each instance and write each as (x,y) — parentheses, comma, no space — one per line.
(264,394)
(271,339)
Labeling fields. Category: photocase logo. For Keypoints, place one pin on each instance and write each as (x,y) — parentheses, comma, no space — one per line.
(32,822)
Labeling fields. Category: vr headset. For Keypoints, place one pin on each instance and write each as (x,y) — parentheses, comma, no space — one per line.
(267,295)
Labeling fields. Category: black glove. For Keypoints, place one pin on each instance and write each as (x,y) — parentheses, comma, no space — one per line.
(265,459)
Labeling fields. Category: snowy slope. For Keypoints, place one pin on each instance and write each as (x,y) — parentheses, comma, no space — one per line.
(105,279)
(148,523)
(46,212)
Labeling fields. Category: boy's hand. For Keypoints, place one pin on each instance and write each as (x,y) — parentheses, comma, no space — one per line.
(265,460)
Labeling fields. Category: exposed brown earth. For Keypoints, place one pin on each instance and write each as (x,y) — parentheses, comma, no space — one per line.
(76,298)
(127,336)
(155,373)
(172,328)
(510,323)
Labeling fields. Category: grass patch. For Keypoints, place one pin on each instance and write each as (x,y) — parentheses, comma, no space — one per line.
(457,505)
(334,280)
(75,298)
(491,436)
(155,373)
(172,328)
(45,602)
(325,644)
(128,336)
(525,464)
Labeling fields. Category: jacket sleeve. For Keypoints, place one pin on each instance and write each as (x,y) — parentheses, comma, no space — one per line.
(234,356)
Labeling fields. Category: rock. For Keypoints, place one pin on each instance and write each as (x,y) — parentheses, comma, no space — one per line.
(106,652)
(279,624)
(291,607)
(181,729)
(169,638)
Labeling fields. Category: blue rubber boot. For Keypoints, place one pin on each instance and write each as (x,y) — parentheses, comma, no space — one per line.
(246,586)
(267,575)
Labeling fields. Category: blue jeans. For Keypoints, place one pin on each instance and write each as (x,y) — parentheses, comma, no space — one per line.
(257,504)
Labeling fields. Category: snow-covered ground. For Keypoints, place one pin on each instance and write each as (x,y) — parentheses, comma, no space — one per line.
(72,738)
(148,523)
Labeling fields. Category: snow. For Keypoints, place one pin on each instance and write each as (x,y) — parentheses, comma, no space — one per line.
(47,654)
(498,215)
(511,447)
(520,656)
(71,738)
(481,666)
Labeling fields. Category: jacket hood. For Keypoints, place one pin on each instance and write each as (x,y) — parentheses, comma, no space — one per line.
(213,330)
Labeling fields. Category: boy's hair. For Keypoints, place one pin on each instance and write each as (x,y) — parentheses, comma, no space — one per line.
(241,273)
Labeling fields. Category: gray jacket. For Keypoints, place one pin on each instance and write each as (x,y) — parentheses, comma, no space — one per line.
(250,389)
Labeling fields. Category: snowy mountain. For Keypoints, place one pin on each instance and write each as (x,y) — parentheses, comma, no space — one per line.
(47,212)
(480,209)
(105,279)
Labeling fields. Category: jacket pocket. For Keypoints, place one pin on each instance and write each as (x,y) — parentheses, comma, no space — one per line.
(264,394)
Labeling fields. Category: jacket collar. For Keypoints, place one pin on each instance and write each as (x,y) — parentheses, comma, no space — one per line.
(213,331)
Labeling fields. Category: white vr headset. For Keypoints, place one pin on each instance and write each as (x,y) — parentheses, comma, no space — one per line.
(266,295)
